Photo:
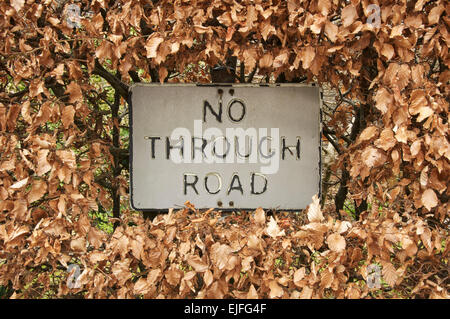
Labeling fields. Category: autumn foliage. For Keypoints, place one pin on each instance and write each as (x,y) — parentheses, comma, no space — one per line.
(64,149)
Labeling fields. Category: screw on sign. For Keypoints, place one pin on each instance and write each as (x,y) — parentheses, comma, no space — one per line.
(73,281)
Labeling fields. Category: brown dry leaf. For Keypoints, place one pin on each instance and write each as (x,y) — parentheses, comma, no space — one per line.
(246,263)
(152,45)
(208,278)
(254,242)
(43,166)
(153,276)
(174,275)
(19,184)
(142,286)
(25,111)
(276,291)
(162,74)
(8,165)
(419,5)
(331,30)
(121,271)
(307,56)
(419,105)
(68,114)
(368,133)
(389,274)
(96,237)
(410,247)
(175,47)
(137,247)
(250,59)
(197,263)
(424,113)
(78,244)
(298,276)
(266,61)
(97,256)
(17,4)
(353,292)
(372,157)
(58,73)
(16,234)
(260,216)
(415,147)
(306,293)
(435,14)
(383,100)
(336,242)
(342,226)
(326,279)
(105,50)
(417,99)
(423,179)
(429,199)
(324,6)
(425,236)
(348,15)
(20,209)
(273,230)
(266,29)
(38,189)
(280,60)
(230,32)
(388,51)
(252,293)
(220,255)
(386,140)
(201,29)
(74,91)
(401,135)
(67,157)
(314,211)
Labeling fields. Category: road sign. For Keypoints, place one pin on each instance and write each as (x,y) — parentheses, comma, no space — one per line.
(224,146)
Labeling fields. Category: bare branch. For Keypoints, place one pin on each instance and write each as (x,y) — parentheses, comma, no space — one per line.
(118,85)
(331,140)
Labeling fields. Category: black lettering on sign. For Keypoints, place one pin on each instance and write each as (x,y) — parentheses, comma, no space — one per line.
(265,138)
(227,149)
(219,182)
(191,184)
(236,102)
(217,114)
(170,147)
(252,184)
(235,177)
(290,147)
(153,139)
(200,148)
(237,149)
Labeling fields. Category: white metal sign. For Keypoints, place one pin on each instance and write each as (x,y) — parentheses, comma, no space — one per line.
(224,146)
